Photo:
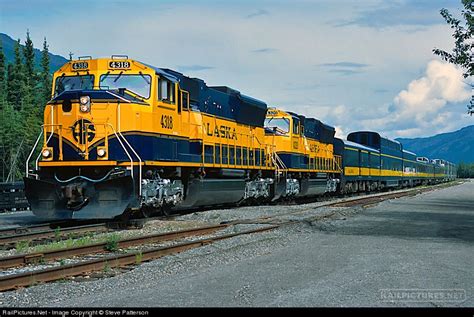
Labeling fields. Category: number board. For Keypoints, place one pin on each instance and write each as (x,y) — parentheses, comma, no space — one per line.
(119,65)
(80,65)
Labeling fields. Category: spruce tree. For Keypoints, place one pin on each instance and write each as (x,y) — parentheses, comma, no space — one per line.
(45,75)
(15,79)
(29,56)
(29,77)
(3,78)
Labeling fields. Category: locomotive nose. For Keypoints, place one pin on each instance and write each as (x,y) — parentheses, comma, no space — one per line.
(80,199)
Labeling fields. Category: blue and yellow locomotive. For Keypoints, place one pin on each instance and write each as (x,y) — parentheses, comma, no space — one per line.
(121,136)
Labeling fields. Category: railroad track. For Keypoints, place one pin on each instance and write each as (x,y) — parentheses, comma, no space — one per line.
(360,201)
(36,237)
(112,261)
(13,281)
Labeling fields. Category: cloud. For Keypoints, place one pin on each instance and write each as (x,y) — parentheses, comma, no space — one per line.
(430,104)
(265,50)
(442,84)
(400,13)
(344,64)
(258,13)
(345,68)
(195,68)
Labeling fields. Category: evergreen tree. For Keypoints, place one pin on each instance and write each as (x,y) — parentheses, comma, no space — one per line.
(16,80)
(9,84)
(46,77)
(29,56)
(3,78)
(28,99)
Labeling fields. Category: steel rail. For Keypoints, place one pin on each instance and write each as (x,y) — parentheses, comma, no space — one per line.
(13,281)
(45,234)
(39,257)
(19,230)
(347,202)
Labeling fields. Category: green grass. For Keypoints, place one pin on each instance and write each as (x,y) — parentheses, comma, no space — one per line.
(69,243)
(22,246)
(111,244)
(138,257)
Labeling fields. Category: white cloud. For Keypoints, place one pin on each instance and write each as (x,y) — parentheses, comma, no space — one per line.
(216,42)
(425,104)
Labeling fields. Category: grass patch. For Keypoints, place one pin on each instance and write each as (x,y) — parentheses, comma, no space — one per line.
(71,242)
(111,244)
(22,246)
(57,234)
(138,257)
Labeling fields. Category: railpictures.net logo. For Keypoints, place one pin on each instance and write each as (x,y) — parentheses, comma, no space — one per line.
(423,295)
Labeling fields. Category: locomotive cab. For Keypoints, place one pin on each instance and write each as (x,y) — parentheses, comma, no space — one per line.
(87,167)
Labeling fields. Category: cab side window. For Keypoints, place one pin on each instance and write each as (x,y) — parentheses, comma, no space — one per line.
(185,100)
(296,127)
(166,91)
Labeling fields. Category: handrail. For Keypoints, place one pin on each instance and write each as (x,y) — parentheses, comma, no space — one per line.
(32,151)
(124,148)
(133,150)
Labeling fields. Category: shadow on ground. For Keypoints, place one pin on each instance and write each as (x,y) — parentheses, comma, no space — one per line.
(431,219)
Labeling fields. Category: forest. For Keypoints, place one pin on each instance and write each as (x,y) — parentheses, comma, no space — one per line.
(24,91)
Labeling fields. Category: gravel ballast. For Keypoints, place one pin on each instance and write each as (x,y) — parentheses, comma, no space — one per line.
(417,243)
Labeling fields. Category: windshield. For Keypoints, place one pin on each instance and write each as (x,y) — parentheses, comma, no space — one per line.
(281,125)
(64,83)
(138,84)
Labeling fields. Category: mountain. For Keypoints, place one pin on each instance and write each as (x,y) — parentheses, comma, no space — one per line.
(457,146)
(55,61)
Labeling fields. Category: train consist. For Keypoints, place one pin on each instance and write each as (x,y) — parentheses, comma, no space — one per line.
(120,136)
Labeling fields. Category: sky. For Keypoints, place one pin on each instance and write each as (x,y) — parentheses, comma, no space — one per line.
(356,65)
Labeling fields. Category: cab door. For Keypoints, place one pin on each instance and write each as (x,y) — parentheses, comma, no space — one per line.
(295,135)
(167,119)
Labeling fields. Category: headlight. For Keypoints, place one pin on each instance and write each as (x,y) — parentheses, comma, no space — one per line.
(46,153)
(101,152)
(85,103)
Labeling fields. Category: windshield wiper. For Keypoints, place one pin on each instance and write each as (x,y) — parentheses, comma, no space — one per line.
(105,76)
(119,75)
(143,76)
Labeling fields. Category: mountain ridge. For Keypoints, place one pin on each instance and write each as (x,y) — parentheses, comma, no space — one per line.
(456,146)
(8,43)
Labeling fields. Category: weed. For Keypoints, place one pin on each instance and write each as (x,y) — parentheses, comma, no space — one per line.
(57,234)
(62,262)
(111,244)
(22,246)
(106,268)
(138,257)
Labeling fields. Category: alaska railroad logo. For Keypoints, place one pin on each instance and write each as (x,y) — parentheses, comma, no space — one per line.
(221,132)
(83,130)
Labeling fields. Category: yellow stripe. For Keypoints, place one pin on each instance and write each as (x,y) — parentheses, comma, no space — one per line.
(391,173)
(188,164)
(350,148)
(78,163)
(312,171)
(374,172)
(398,158)
(351,171)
